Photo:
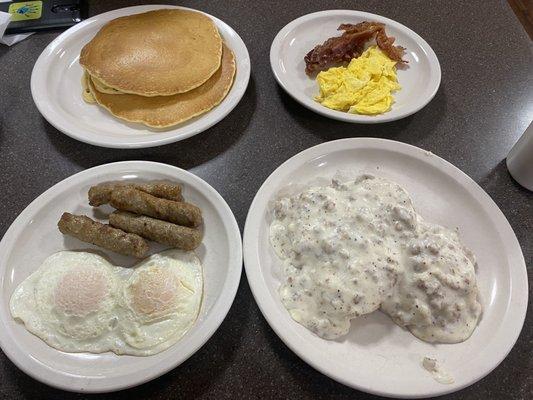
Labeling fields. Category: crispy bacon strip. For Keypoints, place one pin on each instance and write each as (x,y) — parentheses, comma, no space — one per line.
(360,27)
(350,45)
(385,43)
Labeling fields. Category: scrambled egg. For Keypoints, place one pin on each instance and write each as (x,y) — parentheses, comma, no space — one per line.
(365,86)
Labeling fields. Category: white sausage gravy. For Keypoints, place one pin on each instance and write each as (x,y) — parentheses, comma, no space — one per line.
(353,247)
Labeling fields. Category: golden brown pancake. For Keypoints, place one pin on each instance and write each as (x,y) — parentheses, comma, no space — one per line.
(86,93)
(157,53)
(102,87)
(165,111)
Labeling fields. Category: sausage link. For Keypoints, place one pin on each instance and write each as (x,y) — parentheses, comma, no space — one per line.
(164,190)
(101,194)
(138,202)
(87,230)
(159,231)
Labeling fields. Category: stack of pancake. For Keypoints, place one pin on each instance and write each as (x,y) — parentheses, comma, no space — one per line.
(157,68)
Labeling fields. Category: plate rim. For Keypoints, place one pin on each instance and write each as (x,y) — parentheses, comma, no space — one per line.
(49,113)
(268,307)
(62,380)
(342,116)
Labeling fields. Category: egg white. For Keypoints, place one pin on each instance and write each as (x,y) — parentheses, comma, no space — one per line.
(163,298)
(79,302)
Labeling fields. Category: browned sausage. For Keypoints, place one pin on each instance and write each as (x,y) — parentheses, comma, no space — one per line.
(159,231)
(138,202)
(87,230)
(101,194)
(164,190)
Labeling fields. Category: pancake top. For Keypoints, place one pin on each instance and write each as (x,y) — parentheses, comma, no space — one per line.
(157,53)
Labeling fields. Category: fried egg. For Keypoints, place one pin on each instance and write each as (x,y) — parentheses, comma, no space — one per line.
(163,297)
(78,301)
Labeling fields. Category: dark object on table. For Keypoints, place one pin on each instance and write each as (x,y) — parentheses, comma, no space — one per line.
(32,16)
(523,10)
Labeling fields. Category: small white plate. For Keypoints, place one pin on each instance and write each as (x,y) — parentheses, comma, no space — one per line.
(33,236)
(419,81)
(378,356)
(56,90)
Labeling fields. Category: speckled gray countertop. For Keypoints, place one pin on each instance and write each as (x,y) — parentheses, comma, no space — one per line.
(483,105)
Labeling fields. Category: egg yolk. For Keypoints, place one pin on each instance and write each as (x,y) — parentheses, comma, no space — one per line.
(365,86)
(81,291)
(155,292)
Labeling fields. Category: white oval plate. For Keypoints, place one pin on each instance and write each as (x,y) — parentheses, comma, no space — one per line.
(419,81)
(378,356)
(56,90)
(33,236)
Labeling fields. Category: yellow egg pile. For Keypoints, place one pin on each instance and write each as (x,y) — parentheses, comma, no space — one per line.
(365,86)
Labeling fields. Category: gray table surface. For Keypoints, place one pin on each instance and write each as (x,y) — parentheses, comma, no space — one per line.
(483,105)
